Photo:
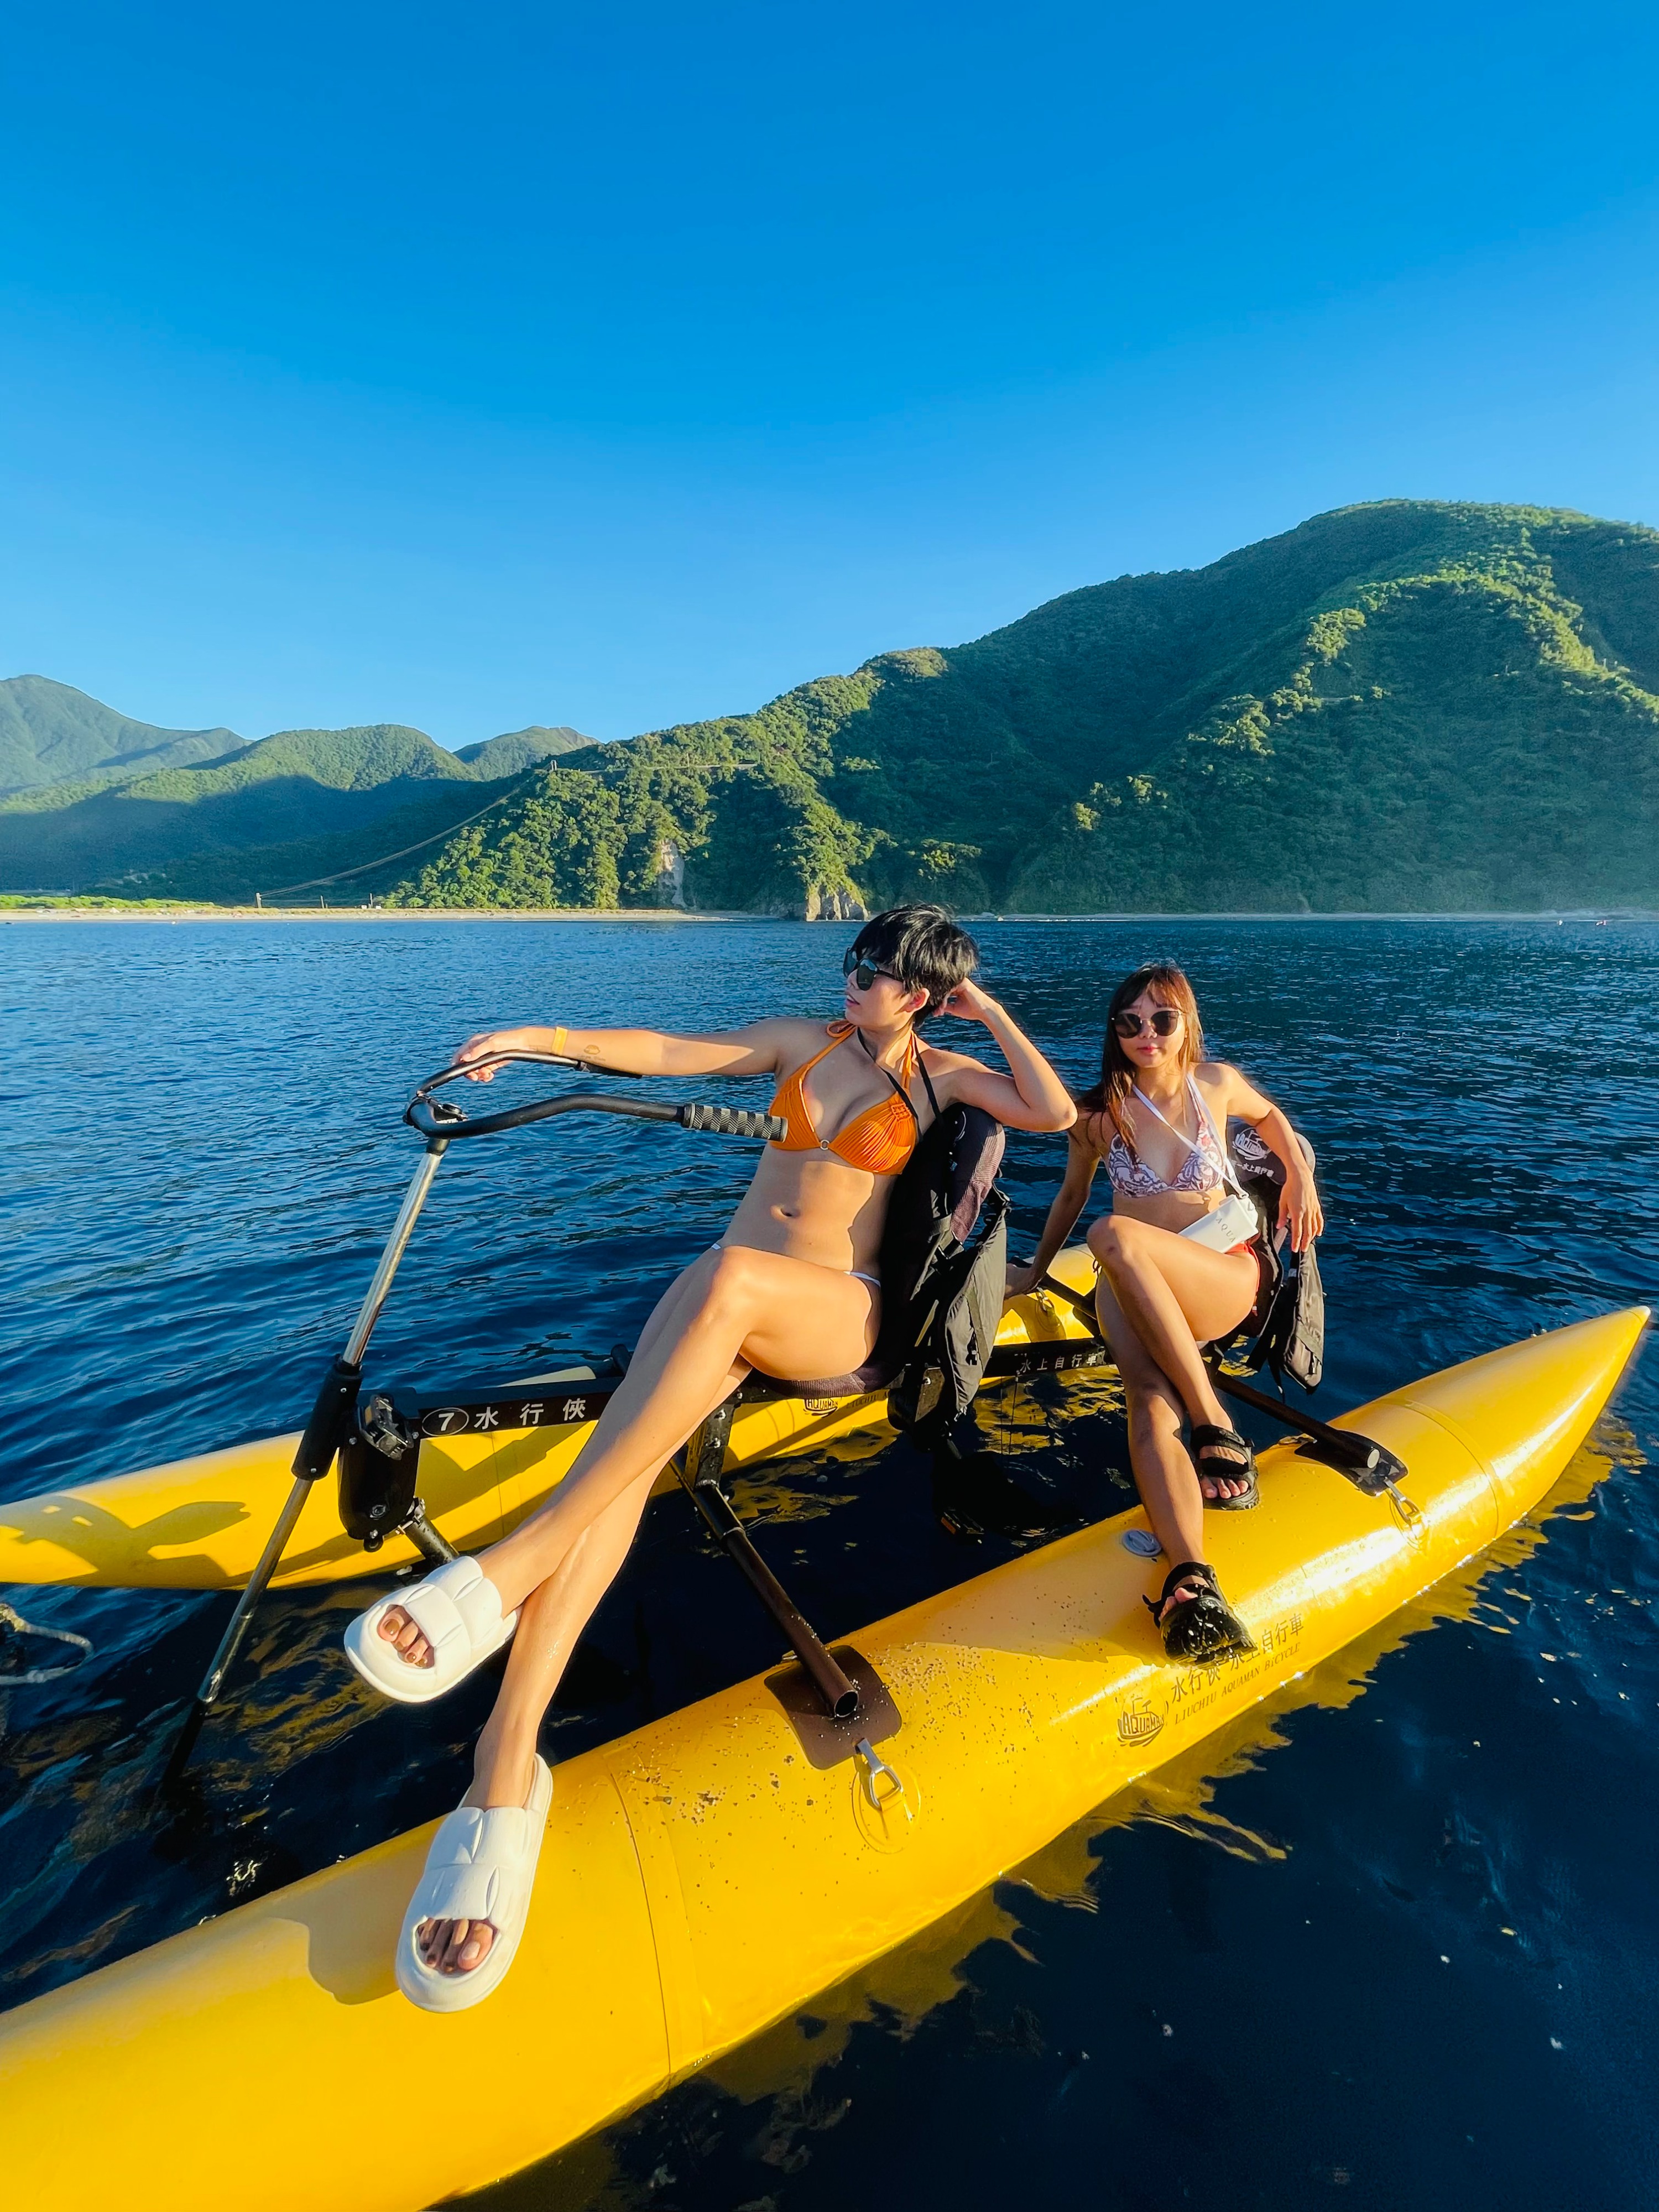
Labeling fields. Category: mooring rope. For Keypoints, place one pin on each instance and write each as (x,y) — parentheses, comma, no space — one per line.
(13,1621)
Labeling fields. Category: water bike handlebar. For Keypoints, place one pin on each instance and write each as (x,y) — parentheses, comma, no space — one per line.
(444,1121)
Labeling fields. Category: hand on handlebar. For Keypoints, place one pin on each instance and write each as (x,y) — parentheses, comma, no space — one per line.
(487,1045)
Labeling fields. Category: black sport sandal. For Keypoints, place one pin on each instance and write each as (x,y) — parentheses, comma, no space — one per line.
(1206,1437)
(1200,1627)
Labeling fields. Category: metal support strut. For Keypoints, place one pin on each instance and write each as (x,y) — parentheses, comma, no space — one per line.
(1370,1467)
(325,1432)
(699,1468)
(335,1412)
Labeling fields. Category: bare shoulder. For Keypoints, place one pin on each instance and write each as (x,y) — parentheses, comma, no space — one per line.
(793,1030)
(1092,1133)
(945,1069)
(1226,1086)
(937,1061)
(778,1041)
(795,1036)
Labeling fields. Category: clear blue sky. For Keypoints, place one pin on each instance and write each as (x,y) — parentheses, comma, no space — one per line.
(622,365)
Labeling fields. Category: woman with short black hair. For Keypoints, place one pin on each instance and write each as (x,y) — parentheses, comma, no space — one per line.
(792,1288)
(1181,1265)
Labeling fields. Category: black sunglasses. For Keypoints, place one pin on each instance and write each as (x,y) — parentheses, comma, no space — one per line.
(1165,1023)
(864,972)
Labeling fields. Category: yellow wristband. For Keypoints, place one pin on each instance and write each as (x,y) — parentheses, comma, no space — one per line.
(559,1036)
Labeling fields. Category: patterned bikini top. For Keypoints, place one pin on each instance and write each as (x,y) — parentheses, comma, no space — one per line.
(880,1139)
(1203,1169)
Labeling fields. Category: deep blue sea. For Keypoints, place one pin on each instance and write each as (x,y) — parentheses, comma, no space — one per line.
(1394,1944)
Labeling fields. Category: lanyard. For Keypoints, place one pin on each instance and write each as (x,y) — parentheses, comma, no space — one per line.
(1192,1144)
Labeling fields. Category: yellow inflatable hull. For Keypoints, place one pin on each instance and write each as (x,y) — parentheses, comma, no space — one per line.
(201,1523)
(700,1879)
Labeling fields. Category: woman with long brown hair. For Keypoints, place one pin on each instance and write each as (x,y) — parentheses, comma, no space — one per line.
(1181,1266)
(792,1288)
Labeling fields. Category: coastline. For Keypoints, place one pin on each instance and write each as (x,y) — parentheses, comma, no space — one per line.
(296,914)
(84,914)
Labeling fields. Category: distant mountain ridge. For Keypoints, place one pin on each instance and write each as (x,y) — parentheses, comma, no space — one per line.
(1407,704)
(515,750)
(254,820)
(52,733)
(1411,704)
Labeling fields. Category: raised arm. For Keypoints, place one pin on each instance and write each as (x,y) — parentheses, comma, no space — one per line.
(1299,1208)
(1031,1095)
(756,1050)
(1081,1161)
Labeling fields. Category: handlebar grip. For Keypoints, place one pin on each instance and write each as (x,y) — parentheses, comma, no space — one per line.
(733,1122)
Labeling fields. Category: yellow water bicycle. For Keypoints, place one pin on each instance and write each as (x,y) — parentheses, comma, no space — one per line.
(711,1871)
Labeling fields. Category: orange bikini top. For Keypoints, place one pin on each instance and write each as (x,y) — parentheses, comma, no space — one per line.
(879,1141)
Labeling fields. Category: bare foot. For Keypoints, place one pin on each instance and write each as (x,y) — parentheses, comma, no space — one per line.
(460,1947)
(454,1947)
(1213,1480)
(1190,1586)
(1221,1485)
(398,1628)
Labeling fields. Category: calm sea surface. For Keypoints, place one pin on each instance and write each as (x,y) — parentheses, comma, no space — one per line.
(1395,1943)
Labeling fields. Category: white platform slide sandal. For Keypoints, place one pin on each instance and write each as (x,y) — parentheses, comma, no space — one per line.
(459,1612)
(481,1866)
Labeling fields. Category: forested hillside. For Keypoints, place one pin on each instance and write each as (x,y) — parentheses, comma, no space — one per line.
(1402,705)
(516,749)
(52,733)
(1408,704)
(231,827)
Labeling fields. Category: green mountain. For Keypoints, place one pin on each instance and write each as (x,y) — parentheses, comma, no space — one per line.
(516,749)
(52,733)
(240,822)
(347,866)
(1407,704)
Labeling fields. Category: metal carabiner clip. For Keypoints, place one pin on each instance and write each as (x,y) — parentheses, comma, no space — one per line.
(1408,1514)
(873,1765)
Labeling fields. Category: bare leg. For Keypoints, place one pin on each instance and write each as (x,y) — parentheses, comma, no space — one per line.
(1174,1296)
(398,1628)
(550,1623)
(1164,1474)
(730,1310)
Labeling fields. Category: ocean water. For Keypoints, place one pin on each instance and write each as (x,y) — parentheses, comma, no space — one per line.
(1392,1943)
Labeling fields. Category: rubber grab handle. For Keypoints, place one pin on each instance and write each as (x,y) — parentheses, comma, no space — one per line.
(733,1121)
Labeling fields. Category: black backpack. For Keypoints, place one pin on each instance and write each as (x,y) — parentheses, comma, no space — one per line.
(1289,1337)
(944,1259)
(1293,1339)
